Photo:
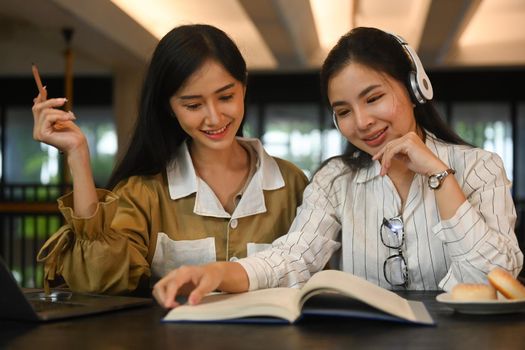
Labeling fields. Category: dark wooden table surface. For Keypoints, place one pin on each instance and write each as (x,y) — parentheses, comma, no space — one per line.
(142,329)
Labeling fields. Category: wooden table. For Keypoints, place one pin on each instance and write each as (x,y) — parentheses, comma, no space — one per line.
(142,329)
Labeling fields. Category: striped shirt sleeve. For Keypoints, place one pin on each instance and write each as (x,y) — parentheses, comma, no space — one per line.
(309,244)
(480,236)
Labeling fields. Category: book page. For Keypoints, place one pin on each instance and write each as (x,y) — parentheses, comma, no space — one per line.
(360,289)
(275,302)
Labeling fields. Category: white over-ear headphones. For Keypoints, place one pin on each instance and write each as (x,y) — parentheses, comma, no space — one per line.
(420,85)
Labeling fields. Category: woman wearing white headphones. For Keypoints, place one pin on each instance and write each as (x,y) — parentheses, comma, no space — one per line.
(409,205)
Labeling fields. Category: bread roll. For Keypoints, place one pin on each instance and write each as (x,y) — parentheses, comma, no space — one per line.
(506,284)
(473,292)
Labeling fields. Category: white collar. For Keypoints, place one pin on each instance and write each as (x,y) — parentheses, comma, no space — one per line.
(183,181)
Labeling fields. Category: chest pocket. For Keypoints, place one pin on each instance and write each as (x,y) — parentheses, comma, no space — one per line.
(254,248)
(170,254)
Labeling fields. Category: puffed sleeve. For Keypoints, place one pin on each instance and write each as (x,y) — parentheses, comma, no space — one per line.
(104,253)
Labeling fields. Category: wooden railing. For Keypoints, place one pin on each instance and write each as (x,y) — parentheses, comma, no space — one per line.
(28,217)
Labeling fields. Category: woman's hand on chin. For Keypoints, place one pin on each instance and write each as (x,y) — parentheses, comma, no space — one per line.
(412,151)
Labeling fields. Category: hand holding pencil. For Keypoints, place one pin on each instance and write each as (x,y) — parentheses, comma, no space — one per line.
(53,125)
(56,127)
(42,91)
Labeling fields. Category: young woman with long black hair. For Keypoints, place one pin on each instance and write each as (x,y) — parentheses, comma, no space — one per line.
(189,189)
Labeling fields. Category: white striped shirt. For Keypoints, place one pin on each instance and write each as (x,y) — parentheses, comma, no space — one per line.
(344,209)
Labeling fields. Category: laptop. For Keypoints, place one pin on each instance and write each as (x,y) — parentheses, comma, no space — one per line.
(35,305)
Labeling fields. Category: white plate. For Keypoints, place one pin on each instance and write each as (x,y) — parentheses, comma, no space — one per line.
(482,307)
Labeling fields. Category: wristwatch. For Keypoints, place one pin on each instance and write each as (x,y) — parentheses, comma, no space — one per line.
(435,180)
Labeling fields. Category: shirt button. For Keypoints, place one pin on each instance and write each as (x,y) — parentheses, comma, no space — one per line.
(234,259)
(233,223)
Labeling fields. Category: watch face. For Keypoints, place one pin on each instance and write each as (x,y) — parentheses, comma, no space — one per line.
(433,182)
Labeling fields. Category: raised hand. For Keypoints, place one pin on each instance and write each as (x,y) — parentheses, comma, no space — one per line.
(56,127)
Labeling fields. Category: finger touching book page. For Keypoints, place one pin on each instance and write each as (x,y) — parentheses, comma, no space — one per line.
(328,292)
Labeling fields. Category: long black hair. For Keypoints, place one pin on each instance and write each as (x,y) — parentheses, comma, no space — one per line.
(178,55)
(380,51)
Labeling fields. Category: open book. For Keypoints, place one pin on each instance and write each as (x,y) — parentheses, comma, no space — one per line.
(327,293)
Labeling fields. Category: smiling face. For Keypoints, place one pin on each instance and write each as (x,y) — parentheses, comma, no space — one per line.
(371,107)
(210,106)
